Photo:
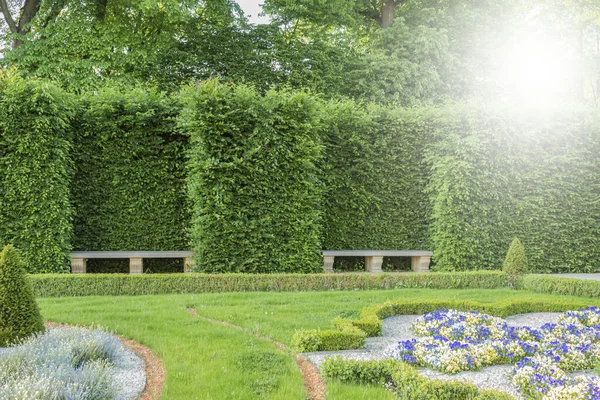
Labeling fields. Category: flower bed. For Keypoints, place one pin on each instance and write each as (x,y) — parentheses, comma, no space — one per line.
(452,341)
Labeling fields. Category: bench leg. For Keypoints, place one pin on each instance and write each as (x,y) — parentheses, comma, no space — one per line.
(78,266)
(136,265)
(420,264)
(373,264)
(328,263)
(188,264)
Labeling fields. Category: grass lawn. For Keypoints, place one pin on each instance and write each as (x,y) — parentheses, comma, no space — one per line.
(208,361)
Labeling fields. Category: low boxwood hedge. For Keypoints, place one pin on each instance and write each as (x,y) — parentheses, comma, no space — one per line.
(60,285)
(353,333)
(559,286)
(405,380)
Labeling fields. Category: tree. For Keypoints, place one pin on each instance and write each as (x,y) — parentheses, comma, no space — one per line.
(19,26)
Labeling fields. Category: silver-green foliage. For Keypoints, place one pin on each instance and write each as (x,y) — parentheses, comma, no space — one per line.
(64,363)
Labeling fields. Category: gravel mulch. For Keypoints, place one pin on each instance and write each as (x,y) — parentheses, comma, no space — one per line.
(397,328)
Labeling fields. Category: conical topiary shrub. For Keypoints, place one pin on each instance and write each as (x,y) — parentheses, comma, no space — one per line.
(19,314)
(515,263)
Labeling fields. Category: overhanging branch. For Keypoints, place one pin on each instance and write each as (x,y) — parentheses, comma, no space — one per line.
(7,17)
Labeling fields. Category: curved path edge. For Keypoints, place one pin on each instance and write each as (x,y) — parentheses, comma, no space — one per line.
(155,370)
(313,381)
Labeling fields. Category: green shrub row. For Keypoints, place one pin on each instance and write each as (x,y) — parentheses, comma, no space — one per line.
(354,332)
(59,285)
(559,286)
(253,179)
(36,171)
(405,380)
(129,186)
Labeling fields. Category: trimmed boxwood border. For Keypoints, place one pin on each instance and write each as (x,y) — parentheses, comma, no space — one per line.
(405,380)
(350,334)
(61,285)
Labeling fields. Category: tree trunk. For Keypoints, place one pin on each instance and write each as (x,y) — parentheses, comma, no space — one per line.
(387,13)
(28,11)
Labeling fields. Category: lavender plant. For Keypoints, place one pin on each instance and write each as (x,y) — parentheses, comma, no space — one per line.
(63,363)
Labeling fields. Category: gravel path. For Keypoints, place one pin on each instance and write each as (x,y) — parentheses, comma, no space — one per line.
(397,328)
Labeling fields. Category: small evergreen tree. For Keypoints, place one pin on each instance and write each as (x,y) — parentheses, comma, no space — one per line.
(515,263)
(19,314)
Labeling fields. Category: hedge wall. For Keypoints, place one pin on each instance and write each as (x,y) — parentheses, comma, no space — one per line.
(36,171)
(497,174)
(375,177)
(129,187)
(253,179)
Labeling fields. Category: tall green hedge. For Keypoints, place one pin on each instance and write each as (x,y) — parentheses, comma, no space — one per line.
(36,171)
(375,178)
(253,179)
(497,173)
(129,186)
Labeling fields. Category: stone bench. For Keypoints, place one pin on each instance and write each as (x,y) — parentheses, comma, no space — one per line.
(136,259)
(420,260)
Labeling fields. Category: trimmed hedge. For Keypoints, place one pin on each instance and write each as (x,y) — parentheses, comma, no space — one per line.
(559,286)
(375,177)
(497,173)
(48,285)
(36,170)
(405,380)
(129,186)
(253,179)
(353,332)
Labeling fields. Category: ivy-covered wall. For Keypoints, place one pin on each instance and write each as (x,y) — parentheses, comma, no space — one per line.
(36,172)
(253,179)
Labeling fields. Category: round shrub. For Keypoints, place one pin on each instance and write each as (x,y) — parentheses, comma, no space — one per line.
(19,314)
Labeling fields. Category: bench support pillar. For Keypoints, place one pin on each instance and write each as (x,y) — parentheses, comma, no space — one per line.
(188,264)
(328,263)
(136,265)
(78,266)
(420,264)
(373,264)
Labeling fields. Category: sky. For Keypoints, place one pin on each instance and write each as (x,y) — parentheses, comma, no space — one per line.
(252,9)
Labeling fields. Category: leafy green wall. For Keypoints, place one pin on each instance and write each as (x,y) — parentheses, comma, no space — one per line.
(253,179)
(375,177)
(498,173)
(36,171)
(129,186)
(262,183)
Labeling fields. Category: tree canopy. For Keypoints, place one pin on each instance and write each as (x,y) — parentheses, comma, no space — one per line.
(399,52)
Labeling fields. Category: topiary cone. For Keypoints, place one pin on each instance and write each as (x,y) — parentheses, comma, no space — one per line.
(19,313)
(515,262)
